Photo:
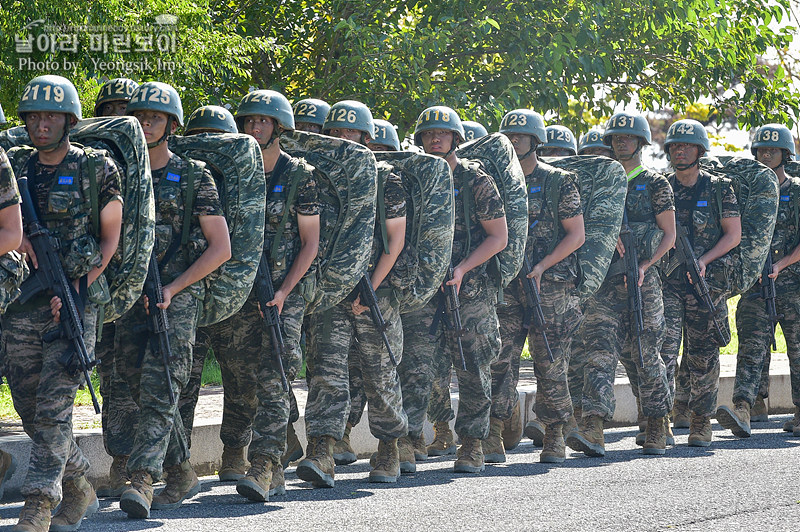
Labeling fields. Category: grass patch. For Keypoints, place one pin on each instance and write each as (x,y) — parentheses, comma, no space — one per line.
(212,375)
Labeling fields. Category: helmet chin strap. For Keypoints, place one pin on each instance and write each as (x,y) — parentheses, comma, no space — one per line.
(151,145)
(55,145)
(534,147)
(632,155)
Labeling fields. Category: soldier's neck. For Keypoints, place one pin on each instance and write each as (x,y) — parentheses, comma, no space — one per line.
(529,163)
(452,160)
(688,177)
(159,156)
(632,163)
(781,173)
(270,155)
(54,157)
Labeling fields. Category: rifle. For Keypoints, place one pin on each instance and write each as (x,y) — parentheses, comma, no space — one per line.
(535,303)
(453,306)
(50,277)
(684,254)
(631,263)
(768,294)
(265,292)
(157,322)
(370,299)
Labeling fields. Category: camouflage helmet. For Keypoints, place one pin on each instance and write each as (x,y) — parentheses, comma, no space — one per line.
(591,139)
(156,96)
(2,116)
(560,137)
(386,134)
(773,136)
(473,130)
(687,131)
(350,114)
(625,123)
(211,117)
(438,117)
(268,103)
(312,111)
(114,90)
(526,122)
(50,93)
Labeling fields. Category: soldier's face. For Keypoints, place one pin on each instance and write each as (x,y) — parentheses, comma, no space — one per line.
(683,153)
(604,152)
(260,127)
(114,108)
(154,124)
(771,157)
(308,126)
(522,143)
(345,133)
(378,147)
(437,141)
(46,127)
(624,145)
(554,152)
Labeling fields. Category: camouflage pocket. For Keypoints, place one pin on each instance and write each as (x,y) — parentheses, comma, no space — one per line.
(99,293)
(718,275)
(13,271)
(307,287)
(80,256)
(405,269)
(61,201)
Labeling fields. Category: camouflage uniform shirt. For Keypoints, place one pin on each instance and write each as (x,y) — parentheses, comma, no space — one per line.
(394,200)
(786,235)
(9,194)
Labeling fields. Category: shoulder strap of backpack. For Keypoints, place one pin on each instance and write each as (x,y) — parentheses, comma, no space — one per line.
(280,168)
(553,197)
(382,212)
(794,193)
(93,160)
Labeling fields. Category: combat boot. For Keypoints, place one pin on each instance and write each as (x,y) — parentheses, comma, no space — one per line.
(641,419)
(553,451)
(318,467)
(136,500)
(512,429)
(182,484)
(387,462)
(408,460)
(700,431)
(255,485)
(572,422)
(736,420)
(420,449)
(233,466)
(535,431)
(680,416)
(493,451)
(78,501)
(794,422)
(118,479)
(35,515)
(278,485)
(443,443)
(7,468)
(588,439)
(343,453)
(759,412)
(294,450)
(656,440)
(470,456)
(668,431)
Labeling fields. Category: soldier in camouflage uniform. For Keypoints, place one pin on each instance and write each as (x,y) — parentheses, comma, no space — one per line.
(160,442)
(347,332)
(310,114)
(43,392)
(608,329)
(478,237)
(714,230)
(120,412)
(560,142)
(773,146)
(591,143)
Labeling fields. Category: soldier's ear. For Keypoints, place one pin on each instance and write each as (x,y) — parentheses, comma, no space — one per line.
(173,126)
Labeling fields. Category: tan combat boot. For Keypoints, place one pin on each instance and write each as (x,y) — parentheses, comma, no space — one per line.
(405,451)
(493,450)
(443,443)
(278,485)
(588,439)
(680,416)
(136,500)
(668,431)
(234,464)
(641,419)
(343,453)
(318,466)
(572,422)
(512,429)
(700,431)
(35,515)
(470,456)
(387,462)
(535,431)
(656,436)
(78,501)
(7,468)
(118,479)
(255,485)
(182,483)
(736,420)
(553,451)
(794,422)
(294,450)
(420,449)
(759,413)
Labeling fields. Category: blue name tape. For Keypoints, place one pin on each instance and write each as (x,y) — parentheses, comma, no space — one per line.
(455,192)
(534,190)
(641,187)
(65,180)
(173,177)
(278,188)
(784,198)
(702,204)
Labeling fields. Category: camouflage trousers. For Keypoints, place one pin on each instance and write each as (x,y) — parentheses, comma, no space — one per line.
(608,332)
(514,318)
(576,369)
(333,337)
(44,395)
(358,397)
(440,407)
(160,441)
(120,414)
(752,324)
(187,402)
(686,318)
(562,315)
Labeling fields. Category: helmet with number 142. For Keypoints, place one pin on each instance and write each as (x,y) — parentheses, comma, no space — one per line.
(687,131)
(774,136)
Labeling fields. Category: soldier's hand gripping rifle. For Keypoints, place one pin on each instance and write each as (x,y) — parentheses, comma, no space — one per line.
(453,308)
(370,299)
(50,277)
(157,322)
(768,294)
(631,263)
(265,292)
(684,254)
(535,303)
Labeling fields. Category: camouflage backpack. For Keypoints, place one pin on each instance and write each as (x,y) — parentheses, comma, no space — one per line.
(496,154)
(13,271)
(421,266)
(756,188)
(122,139)
(234,161)
(347,180)
(603,187)
(792,169)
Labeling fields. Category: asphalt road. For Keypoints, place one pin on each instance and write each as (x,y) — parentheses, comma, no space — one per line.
(750,484)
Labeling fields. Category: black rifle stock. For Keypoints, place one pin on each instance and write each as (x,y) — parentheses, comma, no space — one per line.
(157,322)
(265,292)
(768,294)
(50,277)
(631,263)
(370,299)
(453,306)
(535,303)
